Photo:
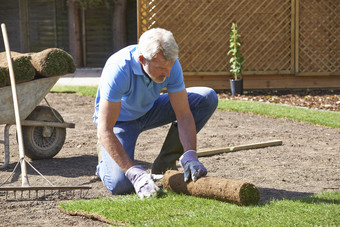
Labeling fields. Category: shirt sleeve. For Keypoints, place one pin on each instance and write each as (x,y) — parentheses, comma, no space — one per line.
(176,81)
(114,82)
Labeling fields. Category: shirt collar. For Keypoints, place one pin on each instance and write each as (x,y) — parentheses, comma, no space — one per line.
(136,66)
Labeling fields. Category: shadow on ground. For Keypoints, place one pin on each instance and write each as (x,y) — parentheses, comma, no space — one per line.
(268,194)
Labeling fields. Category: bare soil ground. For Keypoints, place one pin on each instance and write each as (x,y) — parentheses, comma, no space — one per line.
(308,161)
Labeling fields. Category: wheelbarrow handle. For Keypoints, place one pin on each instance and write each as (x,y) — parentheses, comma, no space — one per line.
(36,123)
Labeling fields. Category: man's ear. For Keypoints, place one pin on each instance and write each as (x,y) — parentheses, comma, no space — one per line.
(141,59)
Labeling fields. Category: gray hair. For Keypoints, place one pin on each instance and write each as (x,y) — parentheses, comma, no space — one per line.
(158,40)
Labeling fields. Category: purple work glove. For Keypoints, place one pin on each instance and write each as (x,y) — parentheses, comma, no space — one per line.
(192,167)
(142,182)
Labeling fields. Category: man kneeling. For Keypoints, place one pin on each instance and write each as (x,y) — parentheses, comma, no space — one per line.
(129,101)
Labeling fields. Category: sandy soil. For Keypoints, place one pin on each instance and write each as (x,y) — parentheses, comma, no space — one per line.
(308,161)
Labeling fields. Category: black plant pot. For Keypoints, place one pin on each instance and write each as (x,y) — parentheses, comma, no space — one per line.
(236,87)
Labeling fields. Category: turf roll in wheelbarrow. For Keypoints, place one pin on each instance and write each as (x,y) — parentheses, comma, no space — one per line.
(52,62)
(22,67)
(3,76)
(227,190)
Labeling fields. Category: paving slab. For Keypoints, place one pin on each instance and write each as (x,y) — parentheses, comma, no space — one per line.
(81,77)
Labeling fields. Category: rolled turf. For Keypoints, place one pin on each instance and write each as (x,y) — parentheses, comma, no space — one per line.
(52,62)
(227,190)
(22,67)
(27,66)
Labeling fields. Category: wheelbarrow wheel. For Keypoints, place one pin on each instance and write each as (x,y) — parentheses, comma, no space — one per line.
(43,142)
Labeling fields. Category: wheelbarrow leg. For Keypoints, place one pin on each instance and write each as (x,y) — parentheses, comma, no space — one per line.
(6,145)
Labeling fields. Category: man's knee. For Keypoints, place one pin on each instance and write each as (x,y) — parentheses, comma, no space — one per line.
(211,97)
(119,187)
(114,181)
(208,96)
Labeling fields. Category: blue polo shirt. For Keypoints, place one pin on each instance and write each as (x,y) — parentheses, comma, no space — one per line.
(122,80)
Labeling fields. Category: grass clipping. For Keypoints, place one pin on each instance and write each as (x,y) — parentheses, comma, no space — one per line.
(232,191)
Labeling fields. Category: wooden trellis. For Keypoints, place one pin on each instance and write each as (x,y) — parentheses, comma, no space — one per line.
(318,37)
(278,36)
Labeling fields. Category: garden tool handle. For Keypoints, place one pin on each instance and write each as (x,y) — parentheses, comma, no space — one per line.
(16,107)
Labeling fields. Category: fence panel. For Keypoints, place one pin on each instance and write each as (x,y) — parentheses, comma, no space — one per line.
(278,36)
(318,37)
(201,28)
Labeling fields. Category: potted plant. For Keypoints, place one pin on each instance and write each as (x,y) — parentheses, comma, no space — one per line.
(236,60)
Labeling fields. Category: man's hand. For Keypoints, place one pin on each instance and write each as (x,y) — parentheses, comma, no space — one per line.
(192,167)
(142,182)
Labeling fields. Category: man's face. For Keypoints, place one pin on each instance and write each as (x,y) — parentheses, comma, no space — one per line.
(158,68)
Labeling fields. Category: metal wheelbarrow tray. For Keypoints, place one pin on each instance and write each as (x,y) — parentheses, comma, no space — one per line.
(44,130)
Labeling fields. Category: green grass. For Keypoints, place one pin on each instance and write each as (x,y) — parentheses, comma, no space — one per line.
(325,118)
(81,90)
(171,209)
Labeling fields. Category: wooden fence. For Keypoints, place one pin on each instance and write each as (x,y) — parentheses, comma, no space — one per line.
(35,25)
(281,39)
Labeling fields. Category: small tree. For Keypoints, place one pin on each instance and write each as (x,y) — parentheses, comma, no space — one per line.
(236,59)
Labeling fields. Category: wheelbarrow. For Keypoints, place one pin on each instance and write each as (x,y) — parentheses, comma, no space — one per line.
(43,128)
